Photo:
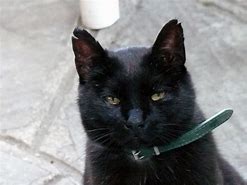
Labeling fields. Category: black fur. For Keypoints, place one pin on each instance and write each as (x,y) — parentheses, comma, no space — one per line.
(133,75)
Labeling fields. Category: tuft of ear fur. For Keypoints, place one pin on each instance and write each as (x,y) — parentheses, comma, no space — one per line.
(86,50)
(169,45)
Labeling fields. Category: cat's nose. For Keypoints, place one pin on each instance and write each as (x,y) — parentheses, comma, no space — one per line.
(135,120)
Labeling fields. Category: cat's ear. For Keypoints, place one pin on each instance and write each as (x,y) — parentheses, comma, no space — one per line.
(86,50)
(169,45)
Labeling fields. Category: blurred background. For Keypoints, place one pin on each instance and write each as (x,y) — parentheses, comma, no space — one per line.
(41,137)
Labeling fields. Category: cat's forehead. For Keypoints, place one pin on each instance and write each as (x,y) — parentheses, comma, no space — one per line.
(130,58)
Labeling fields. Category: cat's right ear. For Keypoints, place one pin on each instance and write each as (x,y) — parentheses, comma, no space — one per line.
(86,50)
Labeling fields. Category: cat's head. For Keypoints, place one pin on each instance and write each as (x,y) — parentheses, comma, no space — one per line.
(136,96)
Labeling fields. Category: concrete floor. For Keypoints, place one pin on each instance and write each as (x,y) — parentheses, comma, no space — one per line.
(41,138)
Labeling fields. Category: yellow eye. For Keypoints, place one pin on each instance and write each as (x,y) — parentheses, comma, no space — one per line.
(158,96)
(112,100)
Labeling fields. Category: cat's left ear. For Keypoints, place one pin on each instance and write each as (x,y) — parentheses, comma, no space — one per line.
(86,50)
(169,45)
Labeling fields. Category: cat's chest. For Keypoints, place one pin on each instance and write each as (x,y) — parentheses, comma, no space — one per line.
(152,174)
(144,173)
(145,178)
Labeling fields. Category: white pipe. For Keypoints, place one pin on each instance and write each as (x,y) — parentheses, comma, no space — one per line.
(97,14)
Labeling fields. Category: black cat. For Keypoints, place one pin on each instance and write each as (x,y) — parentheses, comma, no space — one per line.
(138,97)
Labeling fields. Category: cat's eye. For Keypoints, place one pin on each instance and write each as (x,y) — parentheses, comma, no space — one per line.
(112,100)
(158,96)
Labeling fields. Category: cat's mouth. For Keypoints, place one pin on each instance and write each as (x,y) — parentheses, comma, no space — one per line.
(136,142)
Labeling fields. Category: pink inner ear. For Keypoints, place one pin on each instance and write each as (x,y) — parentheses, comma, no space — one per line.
(170,37)
(170,43)
(83,49)
(173,40)
(168,46)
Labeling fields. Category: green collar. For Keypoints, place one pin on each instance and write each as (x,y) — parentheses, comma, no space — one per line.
(194,134)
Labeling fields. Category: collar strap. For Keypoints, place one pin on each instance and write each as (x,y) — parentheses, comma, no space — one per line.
(192,135)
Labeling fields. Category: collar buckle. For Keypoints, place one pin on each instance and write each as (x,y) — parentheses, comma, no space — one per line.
(156,150)
(137,155)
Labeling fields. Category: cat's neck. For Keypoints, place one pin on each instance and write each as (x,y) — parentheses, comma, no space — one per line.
(167,167)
